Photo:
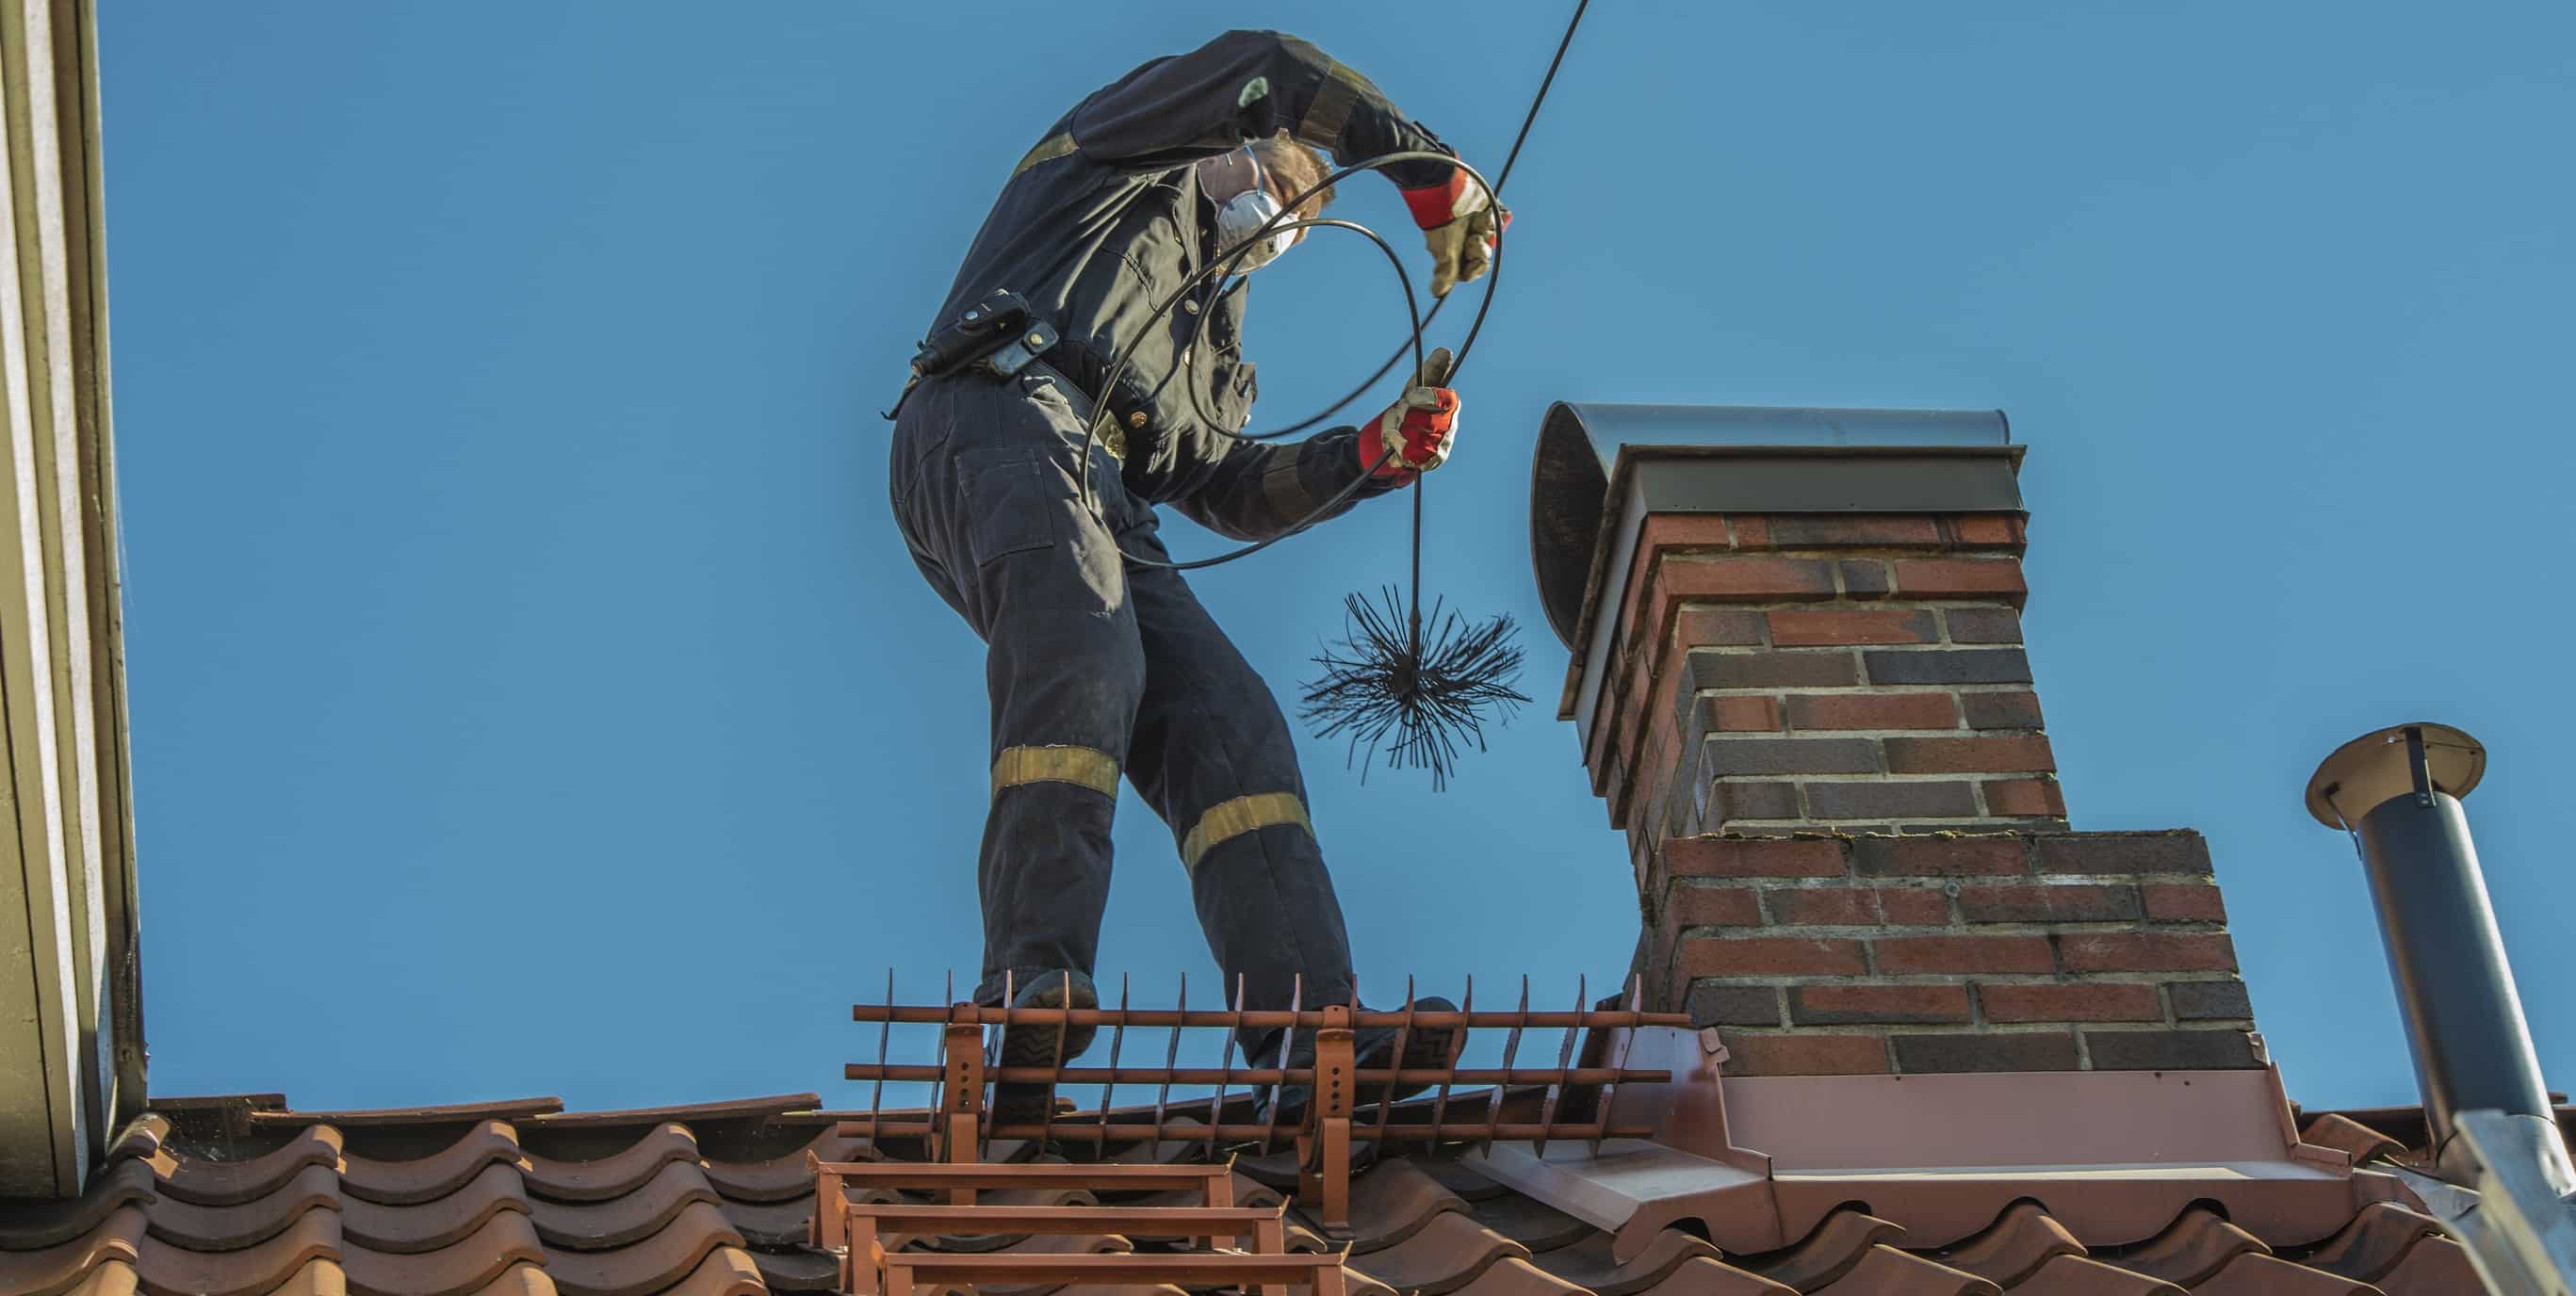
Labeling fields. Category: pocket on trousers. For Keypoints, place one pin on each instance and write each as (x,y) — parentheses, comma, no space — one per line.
(1010,498)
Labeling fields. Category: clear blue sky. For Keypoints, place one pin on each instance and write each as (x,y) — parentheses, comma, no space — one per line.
(531,694)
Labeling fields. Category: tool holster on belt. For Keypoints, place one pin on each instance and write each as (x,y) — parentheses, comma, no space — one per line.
(998,333)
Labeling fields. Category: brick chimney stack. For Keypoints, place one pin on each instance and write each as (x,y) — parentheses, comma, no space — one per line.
(1799,681)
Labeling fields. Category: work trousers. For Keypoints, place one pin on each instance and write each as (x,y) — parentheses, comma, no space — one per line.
(1098,666)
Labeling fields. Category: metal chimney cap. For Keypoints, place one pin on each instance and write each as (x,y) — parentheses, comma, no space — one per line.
(2364,773)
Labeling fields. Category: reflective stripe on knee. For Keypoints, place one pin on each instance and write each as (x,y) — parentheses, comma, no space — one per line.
(1081,766)
(1231,819)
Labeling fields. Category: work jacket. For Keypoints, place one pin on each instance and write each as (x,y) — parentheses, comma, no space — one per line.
(1103,219)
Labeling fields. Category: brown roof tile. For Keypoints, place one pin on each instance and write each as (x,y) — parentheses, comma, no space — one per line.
(1532,1223)
(2376,1240)
(2250,1274)
(785,1176)
(626,1220)
(404,1183)
(1885,1271)
(1391,1203)
(32,1225)
(1442,1255)
(1518,1278)
(730,1109)
(319,1278)
(727,1271)
(2196,1245)
(796,1271)
(2435,1267)
(460,1113)
(2344,1134)
(520,1280)
(231,1228)
(470,1264)
(47,1271)
(2077,1276)
(141,1137)
(2021,1240)
(1702,1276)
(1588,1263)
(311,1235)
(1826,1254)
(114,1278)
(649,1265)
(435,1223)
(230,1183)
(610,1176)
(772,1225)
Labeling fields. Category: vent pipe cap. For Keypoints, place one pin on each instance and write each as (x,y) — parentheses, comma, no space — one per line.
(2364,773)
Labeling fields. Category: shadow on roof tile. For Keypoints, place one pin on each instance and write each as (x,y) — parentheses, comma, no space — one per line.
(2195,1245)
(782,1177)
(2250,1274)
(1389,1204)
(1702,1276)
(439,1222)
(649,1265)
(470,1264)
(727,1271)
(1886,1271)
(2433,1267)
(610,1176)
(115,1238)
(409,1183)
(1442,1255)
(1587,1263)
(796,1271)
(33,1225)
(230,1183)
(626,1220)
(2077,1276)
(232,1228)
(2020,1240)
(2374,1242)
(311,1235)
(772,1225)
(1837,1244)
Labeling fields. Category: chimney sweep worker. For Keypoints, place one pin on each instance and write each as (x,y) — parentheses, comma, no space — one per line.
(1099,664)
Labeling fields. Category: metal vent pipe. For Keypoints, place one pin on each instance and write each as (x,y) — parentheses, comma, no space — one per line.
(2397,791)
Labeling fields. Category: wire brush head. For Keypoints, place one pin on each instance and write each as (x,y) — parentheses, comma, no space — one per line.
(1414,693)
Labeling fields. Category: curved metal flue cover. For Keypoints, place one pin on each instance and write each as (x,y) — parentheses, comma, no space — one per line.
(1581,449)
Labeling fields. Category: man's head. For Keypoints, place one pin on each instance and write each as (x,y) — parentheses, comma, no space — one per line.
(1279,166)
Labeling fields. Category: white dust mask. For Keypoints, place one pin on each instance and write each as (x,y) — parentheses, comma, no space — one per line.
(1242,215)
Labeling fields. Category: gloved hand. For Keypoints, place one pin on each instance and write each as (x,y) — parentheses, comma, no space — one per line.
(1460,226)
(1418,427)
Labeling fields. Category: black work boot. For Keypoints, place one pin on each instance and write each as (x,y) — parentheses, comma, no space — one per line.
(1038,1044)
(1372,1049)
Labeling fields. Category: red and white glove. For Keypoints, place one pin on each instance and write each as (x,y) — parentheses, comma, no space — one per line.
(1412,436)
(1460,226)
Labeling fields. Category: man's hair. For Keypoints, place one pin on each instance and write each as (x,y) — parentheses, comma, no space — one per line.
(1298,168)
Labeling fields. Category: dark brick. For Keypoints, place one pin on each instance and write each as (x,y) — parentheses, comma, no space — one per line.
(1716,1004)
(1695,626)
(2148,952)
(1865,578)
(2185,902)
(1876,800)
(1985,529)
(1999,955)
(1852,530)
(2210,1001)
(1991,754)
(1730,800)
(1984,625)
(1790,756)
(2049,903)
(2177,851)
(2001,710)
(1947,666)
(1693,905)
(2170,1050)
(1986,1051)
(1891,1005)
(1827,906)
(1752,857)
(2071,1001)
(1712,668)
(1804,1053)
(1808,629)
(1998,855)
(1873,711)
(1771,956)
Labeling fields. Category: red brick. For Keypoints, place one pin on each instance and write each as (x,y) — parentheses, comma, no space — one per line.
(1711,906)
(1804,1053)
(1874,799)
(1983,625)
(1732,799)
(1992,754)
(2173,851)
(2001,710)
(1979,578)
(2148,952)
(2071,1002)
(1732,579)
(1749,531)
(1695,626)
(1752,857)
(1852,530)
(1683,531)
(1743,714)
(1873,711)
(1876,626)
(1864,578)
(2184,902)
(1821,907)
(1899,955)
(2078,902)
(2026,798)
(1845,1004)
(1914,906)
(1771,956)
(1790,756)
(1989,529)
(1997,855)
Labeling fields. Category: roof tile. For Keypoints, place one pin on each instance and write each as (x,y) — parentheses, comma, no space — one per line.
(610,1176)
(1530,1222)
(114,1278)
(729,1109)
(318,1278)
(2077,1276)
(230,1183)
(477,1261)
(796,1271)
(626,1220)
(649,1265)
(231,1228)
(727,1271)
(61,1267)
(775,1225)
(1826,1254)
(2374,1242)
(2434,1267)
(2345,1134)
(1885,1271)
(2020,1240)
(33,1225)
(405,1183)
(2197,1244)
(1443,1255)
(1518,1278)
(782,1177)
(141,1137)
(1704,1276)
(1588,1264)
(439,1222)
(311,1235)
(458,1113)
(1392,1202)
(2262,1275)
(520,1280)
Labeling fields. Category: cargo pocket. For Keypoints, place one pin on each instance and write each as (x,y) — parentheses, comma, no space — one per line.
(1011,499)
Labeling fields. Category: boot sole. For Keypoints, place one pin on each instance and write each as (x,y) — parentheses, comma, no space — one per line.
(1035,1046)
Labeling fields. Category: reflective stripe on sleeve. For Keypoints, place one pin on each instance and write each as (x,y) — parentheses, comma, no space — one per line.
(1048,149)
(1081,766)
(1231,819)
(1330,109)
